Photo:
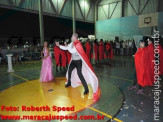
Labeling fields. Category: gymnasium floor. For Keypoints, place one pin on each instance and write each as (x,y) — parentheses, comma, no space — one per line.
(23,88)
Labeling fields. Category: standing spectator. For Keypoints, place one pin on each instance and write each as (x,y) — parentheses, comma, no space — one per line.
(113,46)
(117,48)
(127,47)
(130,47)
(124,48)
(134,49)
(121,47)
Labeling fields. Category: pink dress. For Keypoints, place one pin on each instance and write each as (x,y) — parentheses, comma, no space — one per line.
(46,70)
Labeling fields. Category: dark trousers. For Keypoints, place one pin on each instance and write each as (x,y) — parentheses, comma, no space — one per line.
(124,51)
(78,65)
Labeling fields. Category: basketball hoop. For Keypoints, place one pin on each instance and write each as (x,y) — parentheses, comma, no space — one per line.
(147,20)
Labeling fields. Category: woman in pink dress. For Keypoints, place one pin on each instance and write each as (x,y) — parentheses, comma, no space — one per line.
(46,70)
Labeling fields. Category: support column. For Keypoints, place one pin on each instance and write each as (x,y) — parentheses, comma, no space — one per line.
(159,6)
(9,57)
(123,7)
(41,22)
(73,16)
(95,18)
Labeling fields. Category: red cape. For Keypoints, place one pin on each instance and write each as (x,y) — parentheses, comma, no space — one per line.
(64,58)
(141,59)
(57,55)
(87,71)
(150,49)
(81,51)
(95,47)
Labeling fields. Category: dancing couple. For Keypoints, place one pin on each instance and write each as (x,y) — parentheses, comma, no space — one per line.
(80,70)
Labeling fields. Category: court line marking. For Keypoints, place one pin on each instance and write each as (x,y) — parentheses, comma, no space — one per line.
(114,77)
(98,111)
(19,76)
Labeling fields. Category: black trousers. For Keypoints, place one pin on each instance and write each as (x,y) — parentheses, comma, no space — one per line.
(78,65)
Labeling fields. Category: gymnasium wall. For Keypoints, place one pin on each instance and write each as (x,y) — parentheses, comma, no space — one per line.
(124,27)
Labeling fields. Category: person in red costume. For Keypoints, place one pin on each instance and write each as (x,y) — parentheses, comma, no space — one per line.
(150,63)
(101,51)
(57,56)
(88,50)
(96,51)
(105,52)
(107,49)
(109,53)
(141,66)
(63,57)
(80,70)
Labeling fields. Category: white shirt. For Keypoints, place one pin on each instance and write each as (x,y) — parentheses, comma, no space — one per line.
(117,45)
(124,45)
(130,44)
(72,50)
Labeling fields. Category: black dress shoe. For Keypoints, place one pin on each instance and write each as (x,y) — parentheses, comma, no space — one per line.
(68,84)
(86,91)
